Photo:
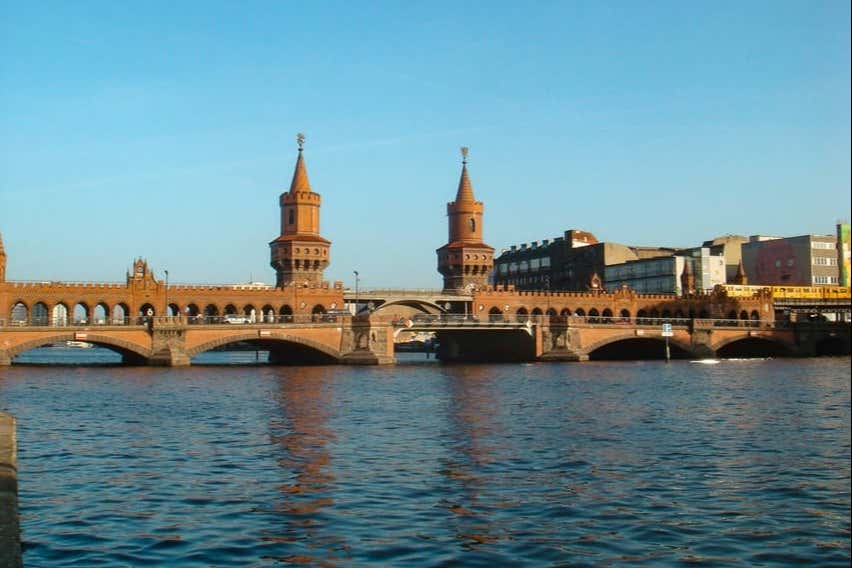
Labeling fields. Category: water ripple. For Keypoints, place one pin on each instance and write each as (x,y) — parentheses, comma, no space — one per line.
(740,463)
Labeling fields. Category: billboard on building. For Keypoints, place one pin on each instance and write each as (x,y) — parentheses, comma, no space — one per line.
(843,258)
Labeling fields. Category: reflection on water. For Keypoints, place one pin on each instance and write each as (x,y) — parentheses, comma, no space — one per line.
(302,432)
(739,463)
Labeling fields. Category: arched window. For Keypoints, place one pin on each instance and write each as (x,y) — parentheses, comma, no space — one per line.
(81,313)
(60,315)
(120,314)
(472,224)
(20,314)
(291,218)
(494,314)
(317,312)
(40,314)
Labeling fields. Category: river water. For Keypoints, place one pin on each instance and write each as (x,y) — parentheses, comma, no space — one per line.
(602,463)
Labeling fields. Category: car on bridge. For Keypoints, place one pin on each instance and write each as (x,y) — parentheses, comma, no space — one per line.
(235,318)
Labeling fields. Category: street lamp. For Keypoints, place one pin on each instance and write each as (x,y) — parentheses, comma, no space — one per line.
(166,311)
(357,279)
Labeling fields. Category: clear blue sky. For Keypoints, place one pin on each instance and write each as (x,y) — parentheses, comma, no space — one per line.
(167,129)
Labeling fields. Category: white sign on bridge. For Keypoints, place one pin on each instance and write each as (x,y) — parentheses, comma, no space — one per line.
(667,330)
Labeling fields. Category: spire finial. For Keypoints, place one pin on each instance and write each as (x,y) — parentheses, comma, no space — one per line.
(300,140)
(464,151)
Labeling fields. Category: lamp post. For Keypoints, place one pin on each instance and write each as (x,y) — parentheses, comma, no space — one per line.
(357,279)
(166,311)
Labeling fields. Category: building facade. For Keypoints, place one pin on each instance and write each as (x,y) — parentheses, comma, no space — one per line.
(805,260)
(729,246)
(566,263)
(663,275)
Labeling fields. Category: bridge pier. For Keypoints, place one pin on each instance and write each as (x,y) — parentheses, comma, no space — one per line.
(701,342)
(168,346)
(367,343)
(558,343)
(5,358)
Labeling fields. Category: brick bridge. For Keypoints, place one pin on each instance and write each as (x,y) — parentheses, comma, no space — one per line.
(576,338)
(174,341)
(148,321)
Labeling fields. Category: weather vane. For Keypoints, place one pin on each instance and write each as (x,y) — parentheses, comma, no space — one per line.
(464,151)
(300,140)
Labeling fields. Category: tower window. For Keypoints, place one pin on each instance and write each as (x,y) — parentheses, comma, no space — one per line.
(291,218)
(472,224)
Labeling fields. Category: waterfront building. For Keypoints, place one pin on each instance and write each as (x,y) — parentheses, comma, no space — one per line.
(300,254)
(805,260)
(664,275)
(565,263)
(729,246)
(465,261)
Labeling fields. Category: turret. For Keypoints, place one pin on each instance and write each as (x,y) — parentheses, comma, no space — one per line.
(299,254)
(741,278)
(465,261)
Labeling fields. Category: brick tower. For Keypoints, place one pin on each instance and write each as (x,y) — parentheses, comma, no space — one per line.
(299,254)
(465,261)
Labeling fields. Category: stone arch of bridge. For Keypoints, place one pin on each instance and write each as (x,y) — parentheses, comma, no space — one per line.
(680,344)
(746,336)
(273,338)
(120,345)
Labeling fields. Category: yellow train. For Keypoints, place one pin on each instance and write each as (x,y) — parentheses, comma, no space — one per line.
(790,292)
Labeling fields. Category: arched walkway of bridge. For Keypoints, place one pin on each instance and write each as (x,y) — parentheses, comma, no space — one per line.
(283,348)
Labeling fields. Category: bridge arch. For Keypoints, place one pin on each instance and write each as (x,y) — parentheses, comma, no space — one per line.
(681,348)
(135,351)
(327,352)
(424,306)
(745,345)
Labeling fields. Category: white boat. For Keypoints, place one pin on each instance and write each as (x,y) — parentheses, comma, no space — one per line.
(79,344)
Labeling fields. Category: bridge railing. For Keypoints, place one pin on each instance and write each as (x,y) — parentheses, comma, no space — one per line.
(426,320)
(418,320)
(228,319)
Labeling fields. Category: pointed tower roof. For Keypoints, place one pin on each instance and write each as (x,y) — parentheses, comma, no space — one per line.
(465,191)
(740,277)
(687,278)
(1,244)
(300,174)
